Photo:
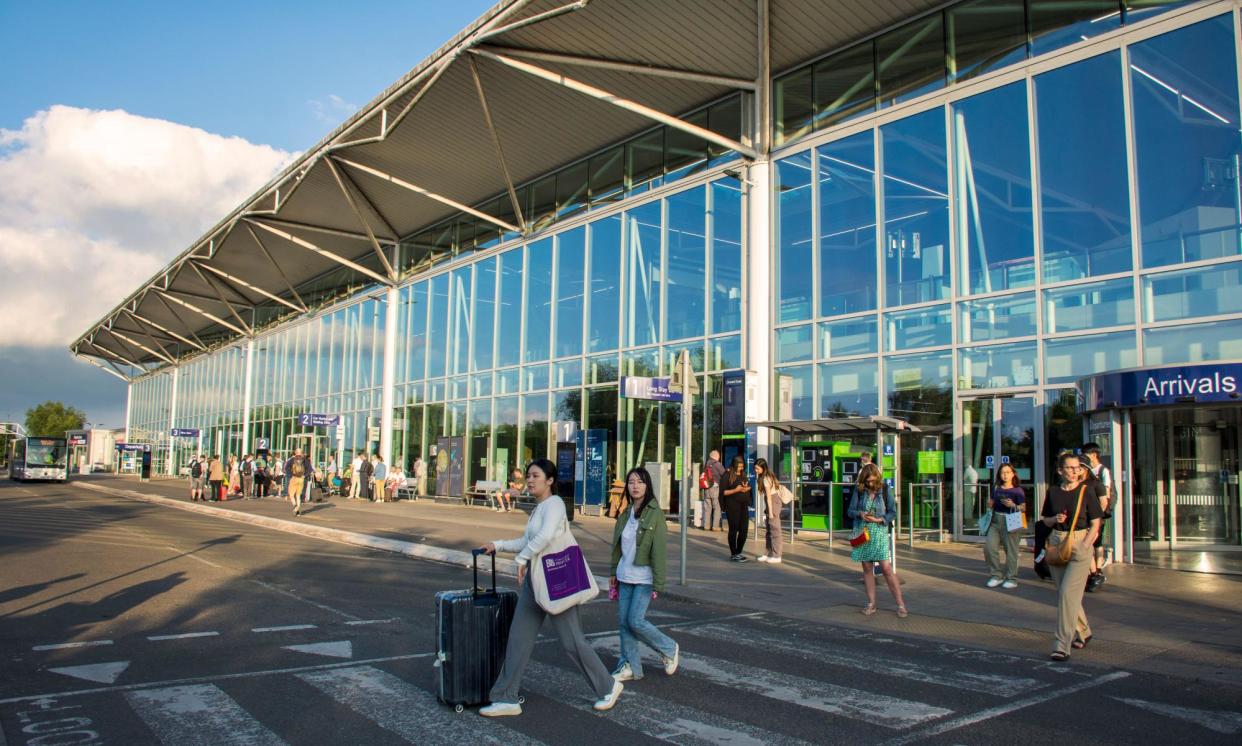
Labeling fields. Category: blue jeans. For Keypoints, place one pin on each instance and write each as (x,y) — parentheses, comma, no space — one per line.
(632,618)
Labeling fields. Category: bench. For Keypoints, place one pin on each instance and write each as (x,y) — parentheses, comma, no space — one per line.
(407,490)
(485,490)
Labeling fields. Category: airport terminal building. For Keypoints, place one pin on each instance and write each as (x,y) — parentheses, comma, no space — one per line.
(1002,227)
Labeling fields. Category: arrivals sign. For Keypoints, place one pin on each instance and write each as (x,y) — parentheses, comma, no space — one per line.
(319,420)
(1181,384)
(652,389)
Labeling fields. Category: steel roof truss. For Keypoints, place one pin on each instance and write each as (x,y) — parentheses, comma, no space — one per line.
(315,228)
(276,267)
(347,190)
(161,355)
(196,343)
(215,286)
(322,252)
(640,68)
(115,356)
(142,328)
(500,153)
(112,371)
(199,311)
(255,288)
(537,18)
(431,195)
(612,98)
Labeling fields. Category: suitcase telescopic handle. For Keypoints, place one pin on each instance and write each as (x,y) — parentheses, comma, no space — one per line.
(475,587)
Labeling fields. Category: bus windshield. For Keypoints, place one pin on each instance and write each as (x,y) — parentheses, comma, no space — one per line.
(50,453)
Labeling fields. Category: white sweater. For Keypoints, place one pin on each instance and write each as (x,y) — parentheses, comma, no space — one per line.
(544,524)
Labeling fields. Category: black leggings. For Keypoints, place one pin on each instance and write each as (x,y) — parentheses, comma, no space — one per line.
(737,511)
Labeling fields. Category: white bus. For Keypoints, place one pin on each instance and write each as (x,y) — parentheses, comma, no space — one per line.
(39,458)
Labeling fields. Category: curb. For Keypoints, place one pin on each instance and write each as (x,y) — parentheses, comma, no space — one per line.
(341,536)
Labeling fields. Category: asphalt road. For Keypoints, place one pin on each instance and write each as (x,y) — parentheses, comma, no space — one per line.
(128,623)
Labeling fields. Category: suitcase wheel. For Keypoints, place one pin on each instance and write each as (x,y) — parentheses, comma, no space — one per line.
(459,709)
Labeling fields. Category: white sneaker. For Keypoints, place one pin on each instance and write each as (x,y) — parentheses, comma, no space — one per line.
(670,664)
(993,582)
(774,560)
(1009,585)
(608,702)
(762,558)
(624,673)
(500,709)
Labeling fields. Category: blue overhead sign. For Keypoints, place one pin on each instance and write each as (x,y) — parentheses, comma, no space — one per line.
(1180,384)
(652,389)
(319,420)
(185,432)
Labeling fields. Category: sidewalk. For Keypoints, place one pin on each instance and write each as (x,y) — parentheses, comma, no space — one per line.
(1145,618)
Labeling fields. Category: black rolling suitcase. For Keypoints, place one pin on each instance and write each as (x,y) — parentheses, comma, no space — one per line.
(472,630)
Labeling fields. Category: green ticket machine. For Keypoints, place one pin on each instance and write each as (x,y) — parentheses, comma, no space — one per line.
(826,472)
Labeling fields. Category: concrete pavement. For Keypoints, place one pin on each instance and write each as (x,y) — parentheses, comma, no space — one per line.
(1150,619)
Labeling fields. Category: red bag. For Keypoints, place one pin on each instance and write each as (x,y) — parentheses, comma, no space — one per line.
(705,480)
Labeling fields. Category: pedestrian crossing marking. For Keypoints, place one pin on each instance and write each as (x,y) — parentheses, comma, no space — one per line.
(341,649)
(198,715)
(1004,686)
(880,709)
(654,717)
(100,673)
(1220,721)
(412,713)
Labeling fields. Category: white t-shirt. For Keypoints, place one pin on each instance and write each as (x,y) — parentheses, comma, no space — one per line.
(627,571)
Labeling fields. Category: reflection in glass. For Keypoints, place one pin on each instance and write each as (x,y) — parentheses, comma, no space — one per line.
(1084,190)
(726,284)
(919,387)
(1193,293)
(507,381)
(607,176)
(845,85)
(570,256)
(602,369)
(568,373)
(685,153)
(644,156)
(916,215)
(792,98)
(603,315)
(505,434)
(923,327)
(1058,23)
(793,238)
(801,402)
(538,301)
(998,366)
(687,258)
(1219,340)
(725,353)
(484,313)
(993,215)
(1185,91)
(643,271)
(534,427)
(535,377)
(846,183)
(1066,360)
(416,343)
(571,190)
(794,344)
(848,337)
(437,332)
(911,60)
(984,35)
(509,309)
(849,389)
(997,318)
(1082,307)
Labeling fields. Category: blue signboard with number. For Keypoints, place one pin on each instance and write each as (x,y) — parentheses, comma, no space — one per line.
(185,432)
(319,420)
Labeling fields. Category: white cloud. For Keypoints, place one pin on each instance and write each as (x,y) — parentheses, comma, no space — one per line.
(331,109)
(94,202)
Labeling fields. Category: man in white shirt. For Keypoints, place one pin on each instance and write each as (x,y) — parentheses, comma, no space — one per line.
(355,484)
(1101,557)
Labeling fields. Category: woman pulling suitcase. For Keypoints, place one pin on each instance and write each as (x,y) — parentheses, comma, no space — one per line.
(546,522)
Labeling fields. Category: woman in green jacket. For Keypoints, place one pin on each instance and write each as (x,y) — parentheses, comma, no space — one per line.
(638,575)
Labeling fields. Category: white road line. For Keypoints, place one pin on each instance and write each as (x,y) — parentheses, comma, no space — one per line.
(373,621)
(651,716)
(68,645)
(193,715)
(338,649)
(402,708)
(188,555)
(1004,686)
(291,594)
(182,636)
(872,707)
(1220,721)
(100,673)
(993,712)
(286,628)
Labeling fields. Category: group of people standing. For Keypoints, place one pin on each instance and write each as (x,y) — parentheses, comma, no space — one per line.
(729,489)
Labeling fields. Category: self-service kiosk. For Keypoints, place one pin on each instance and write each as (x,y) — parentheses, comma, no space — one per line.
(826,474)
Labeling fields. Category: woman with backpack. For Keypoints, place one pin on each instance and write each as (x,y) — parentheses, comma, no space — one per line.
(873,510)
(638,563)
(770,499)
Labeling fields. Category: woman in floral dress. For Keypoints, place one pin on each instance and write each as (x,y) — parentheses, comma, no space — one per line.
(872,507)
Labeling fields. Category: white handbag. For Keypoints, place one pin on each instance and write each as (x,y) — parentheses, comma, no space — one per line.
(1014,522)
(559,575)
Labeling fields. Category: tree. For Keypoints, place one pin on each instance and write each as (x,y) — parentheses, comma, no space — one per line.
(53,418)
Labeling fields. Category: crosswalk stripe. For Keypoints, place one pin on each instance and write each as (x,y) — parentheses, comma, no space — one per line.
(200,714)
(402,708)
(1004,686)
(880,709)
(1229,723)
(651,716)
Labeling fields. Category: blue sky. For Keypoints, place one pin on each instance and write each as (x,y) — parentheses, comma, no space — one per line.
(228,91)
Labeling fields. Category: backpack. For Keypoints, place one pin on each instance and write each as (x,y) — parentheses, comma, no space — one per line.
(196,469)
(297,468)
(705,480)
(247,467)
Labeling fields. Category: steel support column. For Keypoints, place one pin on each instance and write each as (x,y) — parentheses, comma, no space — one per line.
(247,396)
(759,256)
(388,382)
(172,422)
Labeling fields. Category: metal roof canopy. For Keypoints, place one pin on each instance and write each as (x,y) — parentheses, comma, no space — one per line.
(529,86)
(840,425)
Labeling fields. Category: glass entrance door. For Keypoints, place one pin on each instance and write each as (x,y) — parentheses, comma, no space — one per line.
(994,431)
(1186,463)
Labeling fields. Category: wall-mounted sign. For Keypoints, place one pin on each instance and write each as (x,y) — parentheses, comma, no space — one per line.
(734,406)
(652,389)
(77,439)
(1179,384)
(262,444)
(185,432)
(319,420)
(931,462)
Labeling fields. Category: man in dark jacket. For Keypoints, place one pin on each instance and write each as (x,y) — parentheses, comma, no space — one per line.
(711,495)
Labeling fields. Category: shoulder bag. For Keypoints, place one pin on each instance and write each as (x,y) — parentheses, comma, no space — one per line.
(1060,543)
(560,576)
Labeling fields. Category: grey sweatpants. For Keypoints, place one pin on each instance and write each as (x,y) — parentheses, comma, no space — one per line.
(711,507)
(527,619)
(1071,581)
